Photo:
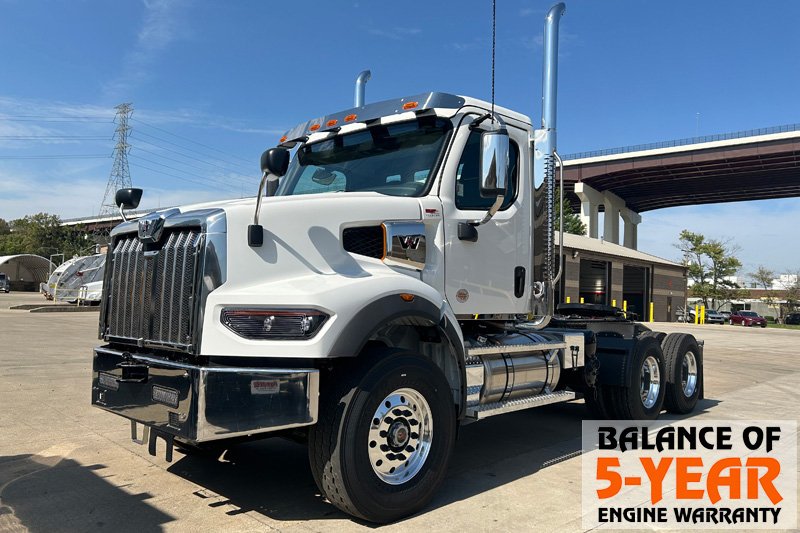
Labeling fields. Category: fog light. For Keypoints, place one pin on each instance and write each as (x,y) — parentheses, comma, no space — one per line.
(273,324)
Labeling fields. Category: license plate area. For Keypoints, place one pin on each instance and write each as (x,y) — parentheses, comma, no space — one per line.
(162,397)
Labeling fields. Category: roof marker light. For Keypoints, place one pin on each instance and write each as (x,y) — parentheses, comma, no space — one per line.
(350,118)
(410,105)
(331,123)
(283,139)
(315,127)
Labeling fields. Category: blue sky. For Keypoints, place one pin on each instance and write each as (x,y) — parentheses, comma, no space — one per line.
(214,83)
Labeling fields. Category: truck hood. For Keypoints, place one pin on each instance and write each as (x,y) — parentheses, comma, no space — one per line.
(302,234)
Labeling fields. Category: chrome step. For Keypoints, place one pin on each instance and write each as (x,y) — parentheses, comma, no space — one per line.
(479,412)
(477,351)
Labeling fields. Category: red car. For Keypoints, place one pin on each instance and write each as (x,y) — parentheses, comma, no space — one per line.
(748,318)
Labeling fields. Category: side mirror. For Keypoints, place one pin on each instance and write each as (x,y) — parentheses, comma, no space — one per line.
(275,161)
(494,162)
(128,198)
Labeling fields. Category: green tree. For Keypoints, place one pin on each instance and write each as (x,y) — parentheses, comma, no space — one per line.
(42,234)
(763,279)
(710,264)
(792,295)
(572,221)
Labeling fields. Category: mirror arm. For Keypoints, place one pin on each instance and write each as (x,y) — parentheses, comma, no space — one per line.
(261,186)
(490,213)
(122,213)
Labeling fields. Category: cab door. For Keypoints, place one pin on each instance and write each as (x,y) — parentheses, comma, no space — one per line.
(492,274)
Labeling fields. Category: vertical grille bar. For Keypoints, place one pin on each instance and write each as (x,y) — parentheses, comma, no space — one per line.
(152,296)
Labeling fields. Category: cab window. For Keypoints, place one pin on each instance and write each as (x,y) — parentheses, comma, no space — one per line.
(468,193)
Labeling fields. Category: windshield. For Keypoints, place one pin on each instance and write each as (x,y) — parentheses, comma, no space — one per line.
(748,313)
(396,159)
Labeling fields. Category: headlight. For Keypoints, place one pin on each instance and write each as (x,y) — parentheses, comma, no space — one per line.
(273,324)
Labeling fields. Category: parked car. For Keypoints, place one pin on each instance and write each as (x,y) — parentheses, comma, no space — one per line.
(726,315)
(792,319)
(5,283)
(712,317)
(747,318)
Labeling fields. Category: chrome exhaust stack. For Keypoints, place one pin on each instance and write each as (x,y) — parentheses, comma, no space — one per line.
(546,272)
(361,84)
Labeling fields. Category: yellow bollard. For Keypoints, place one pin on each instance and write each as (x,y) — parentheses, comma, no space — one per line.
(696,315)
(581,299)
(567,299)
(625,306)
(613,303)
(651,312)
(702,314)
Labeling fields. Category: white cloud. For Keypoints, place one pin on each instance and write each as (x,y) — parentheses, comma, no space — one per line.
(396,34)
(73,196)
(160,27)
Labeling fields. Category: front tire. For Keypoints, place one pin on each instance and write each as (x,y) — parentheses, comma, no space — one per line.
(384,437)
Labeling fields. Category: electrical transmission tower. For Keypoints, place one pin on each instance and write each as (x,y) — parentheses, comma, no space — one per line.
(120,177)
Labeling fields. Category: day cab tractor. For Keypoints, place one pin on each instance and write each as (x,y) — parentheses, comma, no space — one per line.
(395,281)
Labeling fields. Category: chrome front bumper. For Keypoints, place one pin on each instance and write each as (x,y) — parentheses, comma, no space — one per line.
(202,403)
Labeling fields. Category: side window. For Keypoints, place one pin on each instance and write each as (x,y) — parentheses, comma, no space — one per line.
(468,193)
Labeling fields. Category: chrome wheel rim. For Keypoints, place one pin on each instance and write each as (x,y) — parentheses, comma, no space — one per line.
(689,374)
(400,436)
(650,382)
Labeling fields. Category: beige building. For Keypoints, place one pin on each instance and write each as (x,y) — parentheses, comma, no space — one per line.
(605,273)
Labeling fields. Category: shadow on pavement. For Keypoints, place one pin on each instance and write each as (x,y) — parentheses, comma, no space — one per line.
(40,493)
(272,477)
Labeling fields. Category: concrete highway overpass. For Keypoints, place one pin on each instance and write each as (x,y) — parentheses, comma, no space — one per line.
(749,165)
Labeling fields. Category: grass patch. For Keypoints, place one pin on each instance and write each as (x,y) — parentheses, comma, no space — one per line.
(783,326)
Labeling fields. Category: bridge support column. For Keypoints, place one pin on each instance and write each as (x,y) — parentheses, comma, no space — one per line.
(632,221)
(612,205)
(590,204)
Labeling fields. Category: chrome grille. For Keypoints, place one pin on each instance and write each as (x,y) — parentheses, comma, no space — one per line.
(152,291)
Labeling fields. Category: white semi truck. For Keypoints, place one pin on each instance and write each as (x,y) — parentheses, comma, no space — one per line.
(397,280)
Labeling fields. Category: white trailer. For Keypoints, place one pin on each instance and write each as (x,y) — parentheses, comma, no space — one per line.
(396,281)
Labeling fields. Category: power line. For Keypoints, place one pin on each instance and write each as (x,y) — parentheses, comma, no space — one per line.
(211,180)
(57,156)
(53,137)
(191,157)
(137,165)
(192,141)
(190,149)
(244,178)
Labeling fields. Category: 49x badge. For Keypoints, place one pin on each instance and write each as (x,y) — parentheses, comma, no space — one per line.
(690,474)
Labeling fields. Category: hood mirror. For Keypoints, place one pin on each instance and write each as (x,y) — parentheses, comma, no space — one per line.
(127,199)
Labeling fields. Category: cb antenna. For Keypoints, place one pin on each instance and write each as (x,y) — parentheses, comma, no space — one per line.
(494,9)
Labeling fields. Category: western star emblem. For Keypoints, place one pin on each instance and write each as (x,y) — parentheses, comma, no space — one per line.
(150,228)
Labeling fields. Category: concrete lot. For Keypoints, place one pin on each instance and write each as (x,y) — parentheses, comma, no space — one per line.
(65,466)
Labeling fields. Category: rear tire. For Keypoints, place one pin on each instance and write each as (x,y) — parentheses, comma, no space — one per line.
(684,364)
(644,397)
(384,437)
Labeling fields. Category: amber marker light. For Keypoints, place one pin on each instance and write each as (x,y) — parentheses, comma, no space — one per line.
(283,139)
(410,105)
(350,118)
(406,297)
(331,123)
(315,127)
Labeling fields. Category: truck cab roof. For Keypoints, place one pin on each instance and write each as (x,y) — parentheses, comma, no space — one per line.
(374,112)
